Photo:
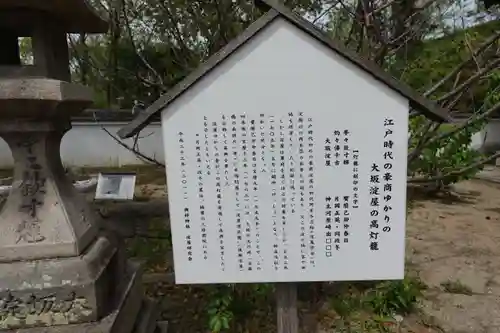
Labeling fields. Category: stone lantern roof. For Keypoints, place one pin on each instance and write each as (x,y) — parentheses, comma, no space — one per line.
(47,23)
(74,16)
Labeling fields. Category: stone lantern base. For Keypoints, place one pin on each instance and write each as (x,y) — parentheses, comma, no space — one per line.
(132,314)
(129,311)
(98,291)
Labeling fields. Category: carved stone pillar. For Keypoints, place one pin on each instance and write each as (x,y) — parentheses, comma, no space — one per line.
(41,218)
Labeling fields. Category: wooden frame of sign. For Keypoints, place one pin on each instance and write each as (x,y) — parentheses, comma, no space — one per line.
(286,162)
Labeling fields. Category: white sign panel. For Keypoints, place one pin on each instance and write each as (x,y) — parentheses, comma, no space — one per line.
(115,186)
(287,178)
(267,198)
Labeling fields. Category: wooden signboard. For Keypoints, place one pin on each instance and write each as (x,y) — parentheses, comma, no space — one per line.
(300,176)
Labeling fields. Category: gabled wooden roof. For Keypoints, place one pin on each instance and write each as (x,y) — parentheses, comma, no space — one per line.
(275,10)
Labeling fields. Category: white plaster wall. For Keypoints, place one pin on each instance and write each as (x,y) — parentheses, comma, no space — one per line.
(488,139)
(477,140)
(87,144)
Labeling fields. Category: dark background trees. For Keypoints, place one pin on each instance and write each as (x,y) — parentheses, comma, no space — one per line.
(446,49)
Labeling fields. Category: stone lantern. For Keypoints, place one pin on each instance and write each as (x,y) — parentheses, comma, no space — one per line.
(58,269)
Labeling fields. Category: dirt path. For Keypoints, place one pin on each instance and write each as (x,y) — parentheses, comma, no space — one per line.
(454,244)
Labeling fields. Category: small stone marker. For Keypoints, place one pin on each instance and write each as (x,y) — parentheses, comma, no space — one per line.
(286,161)
(115,186)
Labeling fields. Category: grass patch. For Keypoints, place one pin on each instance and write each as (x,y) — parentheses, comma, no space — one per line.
(396,297)
(377,307)
(152,251)
(456,287)
(152,245)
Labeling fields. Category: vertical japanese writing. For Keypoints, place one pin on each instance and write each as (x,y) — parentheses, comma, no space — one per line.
(336,147)
(283,194)
(374,194)
(328,226)
(346,151)
(311,192)
(346,221)
(184,183)
(236,182)
(225,160)
(301,191)
(254,134)
(355,178)
(201,196)
(291,152)
(274,192)
(225,150)
(246,191)
(388,157)
(218,193)
(207,145)
(328,152)
(204,173)
(238,156)
(32,195)
(338,222)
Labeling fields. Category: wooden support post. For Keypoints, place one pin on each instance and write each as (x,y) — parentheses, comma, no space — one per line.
(10,48)
(286,304)
(50,51)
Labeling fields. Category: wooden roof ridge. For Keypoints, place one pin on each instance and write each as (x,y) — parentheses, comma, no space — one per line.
(276,9)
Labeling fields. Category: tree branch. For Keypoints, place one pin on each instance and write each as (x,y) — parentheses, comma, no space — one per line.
(134,46)
(475,117)
(492,65)
(464,63)
(454,173)
(132,149)
(136,152)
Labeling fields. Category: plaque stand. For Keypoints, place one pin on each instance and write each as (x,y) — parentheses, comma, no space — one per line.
(286,306)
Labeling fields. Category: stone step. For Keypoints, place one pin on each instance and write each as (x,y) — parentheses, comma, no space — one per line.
(161,327)
(148,315)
